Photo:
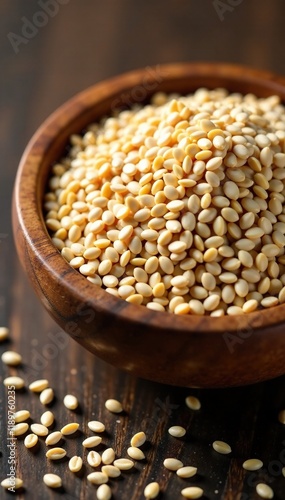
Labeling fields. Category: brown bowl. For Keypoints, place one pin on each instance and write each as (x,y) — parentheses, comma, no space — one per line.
(188,351)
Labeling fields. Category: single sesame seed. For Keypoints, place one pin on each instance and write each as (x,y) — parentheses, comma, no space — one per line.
(70,402)
(75,464)
(187,471)
(151,490)
(264,491)
(113,406)
(252,464)
(11,358)
(123,463)
(192,492)
(52,480)
(55,453)
(177,431)
(69,429)
(172,464)
(53,438)
(222,447)
(15,483)
(16,382)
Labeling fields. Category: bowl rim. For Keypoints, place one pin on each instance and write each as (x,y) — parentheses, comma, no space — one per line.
(31,221)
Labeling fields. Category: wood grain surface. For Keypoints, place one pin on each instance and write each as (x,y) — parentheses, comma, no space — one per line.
(81,44)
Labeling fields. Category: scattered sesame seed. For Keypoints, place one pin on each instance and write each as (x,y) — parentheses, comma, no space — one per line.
(222,447)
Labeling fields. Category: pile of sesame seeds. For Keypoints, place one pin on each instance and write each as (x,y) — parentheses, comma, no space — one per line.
(178,205)
(108,466)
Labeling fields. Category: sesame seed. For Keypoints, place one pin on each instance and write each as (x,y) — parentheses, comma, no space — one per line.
(39,429)
(97,478)
(187,471)
(104,492)
(16,382)
(177,431)
(11,358)
(55,453)
(92,441)
(135,453)
(75,464)
(192,492)
(172,464)
(193,403)
(264,491)
(113,405)
(4,333)
(252,464)
(39,385)
(151,490)
(52,480)
(222,447)
(31,440)
(94,458)
(123,463)
(53,438)
(21,416)
(9,483)
(70,402)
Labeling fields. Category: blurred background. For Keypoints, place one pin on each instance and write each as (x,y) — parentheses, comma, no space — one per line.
(50,50)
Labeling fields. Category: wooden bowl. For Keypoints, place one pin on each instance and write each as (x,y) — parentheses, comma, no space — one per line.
(188,351)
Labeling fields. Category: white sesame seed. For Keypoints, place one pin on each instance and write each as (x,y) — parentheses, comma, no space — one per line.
(31,440)
(187,471)
(52,480)
(104,492)
(15,483)
(123,463)
(222,447)
(47,396)
(252,464)
(55,453)
(94,458)
(151,490)
(264,491)
(39,385)
(135,453)
(70,402)
(92,441)
(16,382)
(21,416)
(97,478)
(108,456)
(172,464)
(11,358)
(177,431)
(75,464)
(192,492)
(53,438)
(113,406)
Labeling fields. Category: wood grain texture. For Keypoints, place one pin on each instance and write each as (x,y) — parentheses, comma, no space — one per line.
(84,43)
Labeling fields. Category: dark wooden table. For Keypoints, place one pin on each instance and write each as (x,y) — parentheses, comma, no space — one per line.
(45,59)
